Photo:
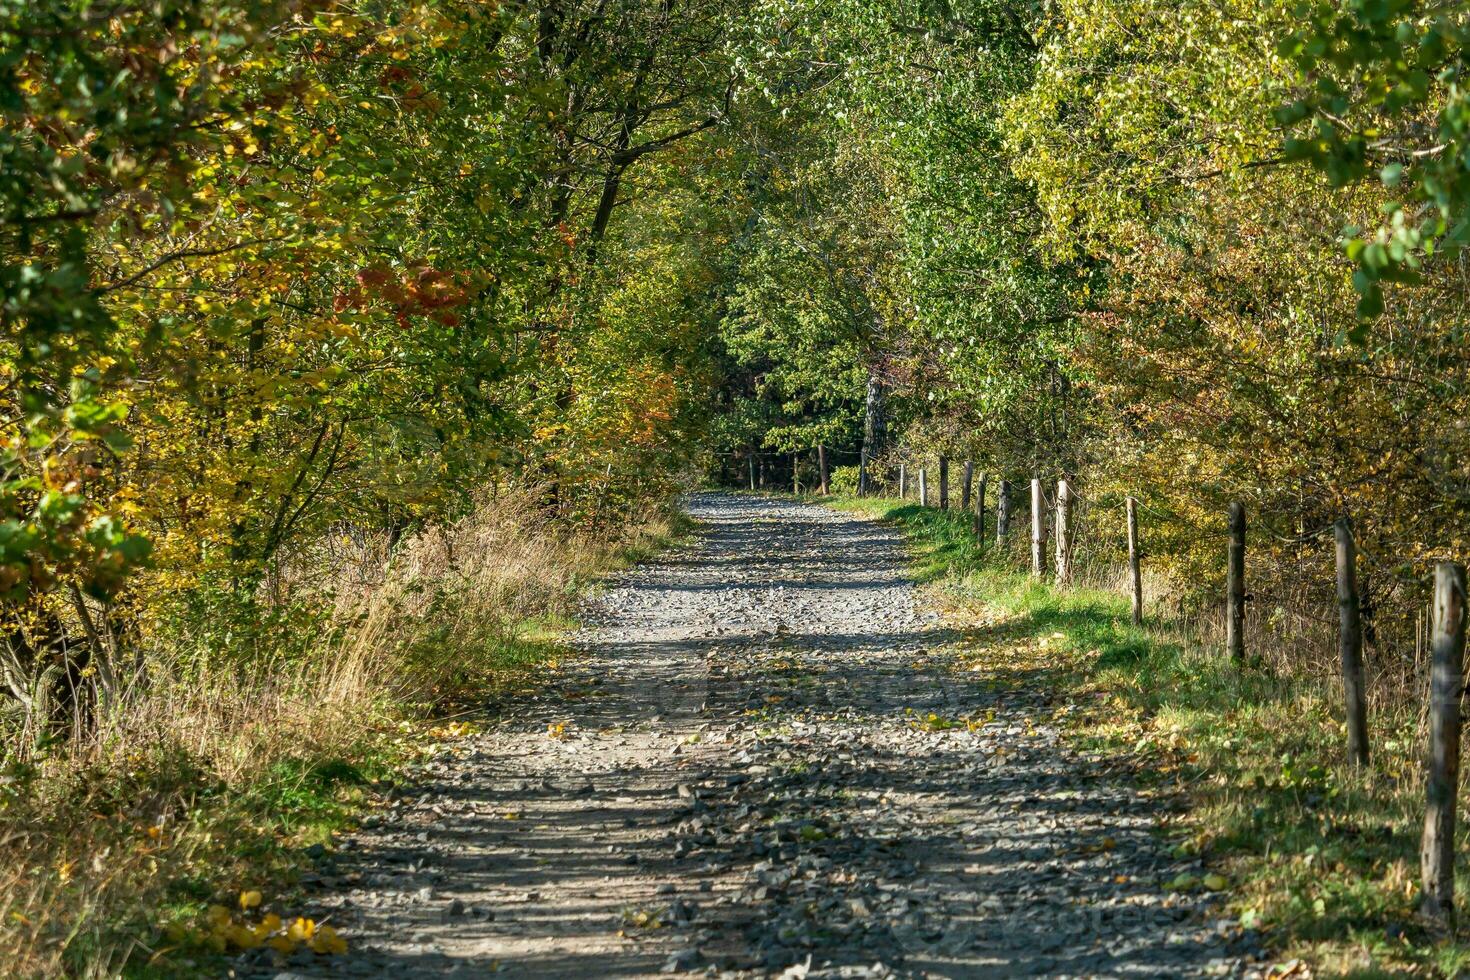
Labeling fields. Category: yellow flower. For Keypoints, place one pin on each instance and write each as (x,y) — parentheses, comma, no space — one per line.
(250,899)
(301,930)
(217,916)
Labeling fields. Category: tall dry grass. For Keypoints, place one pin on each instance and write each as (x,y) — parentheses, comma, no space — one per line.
(203,774)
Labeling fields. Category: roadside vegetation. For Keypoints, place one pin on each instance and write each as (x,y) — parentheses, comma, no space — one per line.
(308,306)
(175,828)
(1321,858)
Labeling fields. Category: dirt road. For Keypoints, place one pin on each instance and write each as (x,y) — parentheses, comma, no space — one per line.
(765,766)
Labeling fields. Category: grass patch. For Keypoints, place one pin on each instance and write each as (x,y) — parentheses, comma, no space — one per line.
(1322,859)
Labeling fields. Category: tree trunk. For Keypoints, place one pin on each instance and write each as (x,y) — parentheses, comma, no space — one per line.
(1235,585)
(1002,513)
(1135,574)
(980,513)
(1446,688)
(875,425)
(1064,533)
(1038,529)
(1350,644)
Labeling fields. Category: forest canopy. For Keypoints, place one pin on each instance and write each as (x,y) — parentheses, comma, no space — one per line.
(342,342)
(275,270)
(278,268)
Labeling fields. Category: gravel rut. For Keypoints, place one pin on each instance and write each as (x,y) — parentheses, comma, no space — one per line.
(741,778)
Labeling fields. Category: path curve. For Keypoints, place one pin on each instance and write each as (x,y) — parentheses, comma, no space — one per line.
(745,782)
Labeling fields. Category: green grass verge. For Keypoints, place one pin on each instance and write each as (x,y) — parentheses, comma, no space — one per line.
(1322,859)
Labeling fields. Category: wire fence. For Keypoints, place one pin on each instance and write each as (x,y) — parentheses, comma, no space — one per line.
(1291,601)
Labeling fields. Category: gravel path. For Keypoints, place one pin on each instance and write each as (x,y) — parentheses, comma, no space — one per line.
(764,766)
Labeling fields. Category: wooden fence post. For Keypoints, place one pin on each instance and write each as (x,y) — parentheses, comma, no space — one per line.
(1002,513)
(751,460)
(965,483)
(1446,686)
(795,472)
(944,483)
(822,467)
(1235,585)
(1038,529)
(1350,643)
(980,513)
(863,472)
(923,487)
(1135,575)
(903,482)
(1064,533)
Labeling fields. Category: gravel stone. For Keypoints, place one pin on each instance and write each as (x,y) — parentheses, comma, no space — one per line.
(843,801)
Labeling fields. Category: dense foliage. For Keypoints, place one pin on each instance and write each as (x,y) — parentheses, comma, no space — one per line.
(276,274)
(1196,252)
(275,271)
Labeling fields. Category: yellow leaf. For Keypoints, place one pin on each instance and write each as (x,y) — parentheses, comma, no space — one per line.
(327,941)
(243,938)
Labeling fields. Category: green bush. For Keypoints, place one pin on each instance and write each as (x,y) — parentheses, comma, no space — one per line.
(844,480)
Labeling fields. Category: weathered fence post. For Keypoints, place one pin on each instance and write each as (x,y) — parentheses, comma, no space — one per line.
(751,460)
(1446,686)
(1002,513)
(822,467)
(1135,575)
(1038,529)
(862,472)
(1235,585)
(944,483)
(980,513)
(1064,532)
(923,487)
(796,472)
(1350,643)
(763,472)
(903,482)
(965,483)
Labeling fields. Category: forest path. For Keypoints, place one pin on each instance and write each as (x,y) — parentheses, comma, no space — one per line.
(746,783)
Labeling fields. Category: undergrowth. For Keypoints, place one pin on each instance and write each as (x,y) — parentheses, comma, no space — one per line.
(1322,859)
(139,849)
